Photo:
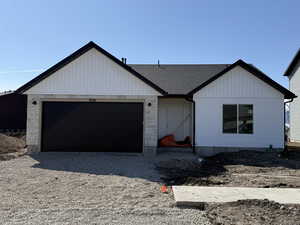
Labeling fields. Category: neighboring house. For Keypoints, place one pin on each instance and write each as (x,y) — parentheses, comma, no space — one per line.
(92,101)
(12,112)
(293,73)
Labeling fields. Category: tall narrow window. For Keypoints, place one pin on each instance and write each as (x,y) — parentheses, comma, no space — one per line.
(230,119)
(245,119)
(238,119)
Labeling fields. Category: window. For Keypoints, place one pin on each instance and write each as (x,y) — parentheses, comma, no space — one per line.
(238,119)
(245,113)
(229,119)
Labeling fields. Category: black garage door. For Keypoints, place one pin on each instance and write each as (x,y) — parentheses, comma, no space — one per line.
(92,126)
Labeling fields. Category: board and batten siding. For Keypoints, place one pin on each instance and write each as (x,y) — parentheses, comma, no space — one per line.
(294,84)
(238,86)
(174,117)
(92,74)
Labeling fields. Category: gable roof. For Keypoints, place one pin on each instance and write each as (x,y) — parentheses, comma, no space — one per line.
(292,64)
(77,54)
(178,79)
(184,80)
(251,69)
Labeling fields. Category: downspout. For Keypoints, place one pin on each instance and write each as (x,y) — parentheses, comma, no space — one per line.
(285,150)
(190,99)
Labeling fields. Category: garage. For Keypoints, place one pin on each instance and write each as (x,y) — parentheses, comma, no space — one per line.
(92,126)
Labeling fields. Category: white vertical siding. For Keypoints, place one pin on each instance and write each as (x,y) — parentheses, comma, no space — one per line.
(267,117)
(239,83)
(92,74)
(239,87)
(174,117)
(295,105)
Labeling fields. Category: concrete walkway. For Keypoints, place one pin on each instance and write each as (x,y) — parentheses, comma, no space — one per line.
(195,195)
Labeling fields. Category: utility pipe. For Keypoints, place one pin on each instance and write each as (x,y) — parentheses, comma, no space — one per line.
(284,120)
(190,99)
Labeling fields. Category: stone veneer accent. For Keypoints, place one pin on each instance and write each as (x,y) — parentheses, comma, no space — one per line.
(34,117)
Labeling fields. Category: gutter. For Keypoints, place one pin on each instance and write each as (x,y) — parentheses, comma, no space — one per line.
(190,99)
(285,150)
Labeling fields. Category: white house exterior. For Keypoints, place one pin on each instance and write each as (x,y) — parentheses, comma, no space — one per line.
(91,101)
(238,86)
(293,73)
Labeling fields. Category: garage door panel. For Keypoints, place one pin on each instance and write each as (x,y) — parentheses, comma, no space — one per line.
(98,126)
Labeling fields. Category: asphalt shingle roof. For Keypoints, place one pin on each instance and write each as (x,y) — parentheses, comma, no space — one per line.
(178,78)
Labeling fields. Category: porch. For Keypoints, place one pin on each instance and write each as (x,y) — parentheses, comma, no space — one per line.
(175,117)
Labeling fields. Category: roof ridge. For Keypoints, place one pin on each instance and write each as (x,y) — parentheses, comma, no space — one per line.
(184,64)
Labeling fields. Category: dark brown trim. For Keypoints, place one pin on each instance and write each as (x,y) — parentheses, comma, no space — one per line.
(292,64)
(253,70)
(77,54)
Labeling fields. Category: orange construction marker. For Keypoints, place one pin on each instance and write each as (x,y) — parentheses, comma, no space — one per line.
(164,189)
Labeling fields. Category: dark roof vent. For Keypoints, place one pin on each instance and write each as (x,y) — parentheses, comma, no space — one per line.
(124,60)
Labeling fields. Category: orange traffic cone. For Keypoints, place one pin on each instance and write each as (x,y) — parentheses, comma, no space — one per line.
(164,189)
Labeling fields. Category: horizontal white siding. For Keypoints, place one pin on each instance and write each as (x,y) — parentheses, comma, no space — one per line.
(295,105)
(174,117)
(239,87)
(92,74)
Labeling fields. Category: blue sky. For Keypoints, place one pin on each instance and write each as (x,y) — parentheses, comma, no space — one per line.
(37,34)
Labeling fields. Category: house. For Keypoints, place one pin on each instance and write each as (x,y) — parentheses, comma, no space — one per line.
(13,112)
(293,74)
(92,101)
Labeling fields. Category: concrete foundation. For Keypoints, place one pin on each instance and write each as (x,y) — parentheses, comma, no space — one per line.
(150,151)
(174,150)
(204,151)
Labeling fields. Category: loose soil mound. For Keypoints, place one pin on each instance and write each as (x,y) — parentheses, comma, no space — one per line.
(244,169)
(11,147)
(253,212)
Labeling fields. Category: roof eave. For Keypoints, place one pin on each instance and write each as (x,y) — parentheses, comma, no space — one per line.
(292,64)
(77,54)
(253,70)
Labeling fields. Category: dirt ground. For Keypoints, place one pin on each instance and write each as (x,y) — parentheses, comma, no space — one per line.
(11,147)
(95,188)
(253,212)
(87,188)
(243,169)
(10,144)
(239,169)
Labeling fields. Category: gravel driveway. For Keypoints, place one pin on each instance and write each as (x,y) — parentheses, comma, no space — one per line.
(87,188)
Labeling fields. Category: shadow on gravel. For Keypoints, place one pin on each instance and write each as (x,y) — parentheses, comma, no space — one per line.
(180,169)
(182,172)
(99,163)
(134,166)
